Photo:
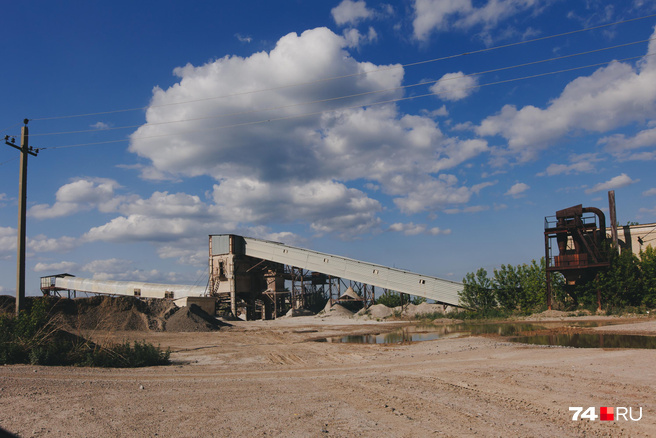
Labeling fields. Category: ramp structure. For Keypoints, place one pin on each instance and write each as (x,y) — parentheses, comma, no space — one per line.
(244,267)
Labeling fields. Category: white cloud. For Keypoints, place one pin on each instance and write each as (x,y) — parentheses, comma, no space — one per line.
(327,205)
(243,39)
(430,194)
(300,169)
(42,243)
(650,192)
(454,86)
(56,268)
(120,269)
(470,209)
(79,195)
(355,39)
(624,149)
(613,96)
(583,163)
(517,190)
(443,15)
(351,12)
(412,229)
(101,125)
(617,182)
(8,240)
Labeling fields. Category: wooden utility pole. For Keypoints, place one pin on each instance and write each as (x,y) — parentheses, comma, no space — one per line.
(25,149)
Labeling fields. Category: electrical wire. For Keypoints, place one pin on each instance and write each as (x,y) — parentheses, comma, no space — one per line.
(9,161)
(424,83)
(256,122)
(488,49)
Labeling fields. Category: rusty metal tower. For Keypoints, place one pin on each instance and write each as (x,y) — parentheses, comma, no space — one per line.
(579,234)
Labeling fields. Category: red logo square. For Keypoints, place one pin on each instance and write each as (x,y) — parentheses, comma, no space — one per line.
(607,414)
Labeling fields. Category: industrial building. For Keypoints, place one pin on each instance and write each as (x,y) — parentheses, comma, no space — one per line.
(255,278)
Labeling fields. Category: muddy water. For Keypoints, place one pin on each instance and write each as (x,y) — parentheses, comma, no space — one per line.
(589,340)
(512,331)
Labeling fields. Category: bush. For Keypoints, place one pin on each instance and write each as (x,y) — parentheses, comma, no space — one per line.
(33,337)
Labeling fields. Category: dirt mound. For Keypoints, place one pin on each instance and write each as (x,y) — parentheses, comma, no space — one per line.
(336,310)
(191,319)
(377,311)
(298,312)
(122,313)
(423,309)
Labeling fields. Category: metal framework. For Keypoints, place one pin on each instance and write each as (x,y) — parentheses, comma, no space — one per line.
(250,269)
(579,233)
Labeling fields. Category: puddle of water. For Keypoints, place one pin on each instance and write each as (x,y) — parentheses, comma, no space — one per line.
(513,330)
(432,332)
(590,340)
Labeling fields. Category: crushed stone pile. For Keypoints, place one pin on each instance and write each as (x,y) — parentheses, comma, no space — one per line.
(191,319)
(423,309)
(298,312)
(126,314)
(335,310)
(381,311)
(377,311)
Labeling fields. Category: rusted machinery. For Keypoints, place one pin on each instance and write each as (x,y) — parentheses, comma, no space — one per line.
(579,234)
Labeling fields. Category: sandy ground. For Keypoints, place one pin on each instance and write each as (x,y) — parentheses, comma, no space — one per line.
(270,379)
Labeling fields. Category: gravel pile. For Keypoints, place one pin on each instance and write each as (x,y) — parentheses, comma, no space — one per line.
(124,314)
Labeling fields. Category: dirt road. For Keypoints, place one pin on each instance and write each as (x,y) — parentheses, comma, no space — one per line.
(271,379)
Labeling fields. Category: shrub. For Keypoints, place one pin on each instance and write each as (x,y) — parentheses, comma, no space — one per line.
(33,337)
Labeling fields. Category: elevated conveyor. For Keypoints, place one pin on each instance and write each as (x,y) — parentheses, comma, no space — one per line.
(124,288)
(443,291)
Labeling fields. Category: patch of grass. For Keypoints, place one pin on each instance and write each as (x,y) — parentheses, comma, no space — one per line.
(34,337)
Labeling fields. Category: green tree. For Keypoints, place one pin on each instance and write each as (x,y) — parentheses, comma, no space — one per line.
(648,269)
(390,299)
(507,286)
(621,283)
(477,292)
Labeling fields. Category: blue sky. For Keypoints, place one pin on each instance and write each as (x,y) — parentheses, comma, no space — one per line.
(358,128)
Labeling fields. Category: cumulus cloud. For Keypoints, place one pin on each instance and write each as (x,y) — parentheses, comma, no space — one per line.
(517,190)
(351,12)
(42,243)
(617,182)
(58,267)
(650,192)
(454,86)
(80,195)
(625,149)
(441,15)
(8,240)
(355,39)
(612,96)
(300,166)
(122,270)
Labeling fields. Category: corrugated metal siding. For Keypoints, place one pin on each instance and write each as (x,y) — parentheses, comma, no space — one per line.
(220,244)
(147,290)
(388,278)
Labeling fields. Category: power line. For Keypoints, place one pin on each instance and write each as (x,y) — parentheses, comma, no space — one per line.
(488,49)
(557,58)
(256,122)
